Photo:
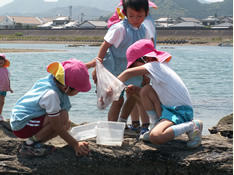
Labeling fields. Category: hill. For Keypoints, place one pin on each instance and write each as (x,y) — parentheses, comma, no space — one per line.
(192,8)
(92,9)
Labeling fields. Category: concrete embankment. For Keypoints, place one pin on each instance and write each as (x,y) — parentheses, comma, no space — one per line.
(160,32)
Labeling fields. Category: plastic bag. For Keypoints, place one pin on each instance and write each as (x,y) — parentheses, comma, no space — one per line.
(109,87)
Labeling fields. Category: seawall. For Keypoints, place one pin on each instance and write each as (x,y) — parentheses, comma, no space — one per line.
(161,33)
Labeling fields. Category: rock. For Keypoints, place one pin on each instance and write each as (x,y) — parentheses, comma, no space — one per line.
(224,127)
(213,157)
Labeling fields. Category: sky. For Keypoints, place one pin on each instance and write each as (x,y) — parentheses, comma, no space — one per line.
(4,2)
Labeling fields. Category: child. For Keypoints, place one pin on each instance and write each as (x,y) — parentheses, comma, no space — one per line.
(42,113)
(4,82)
(167,100)
(118,38)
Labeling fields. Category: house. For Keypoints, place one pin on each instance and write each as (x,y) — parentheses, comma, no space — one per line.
(187,25)
(6,22)
(47,25)
(164,22)
(62,20)
(210,20)
(93,25)
(11,22)
(187,19)
(223,26)
(71,25)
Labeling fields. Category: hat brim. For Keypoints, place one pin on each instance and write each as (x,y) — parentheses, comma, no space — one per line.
(160,55)
(151,54)
(7,63)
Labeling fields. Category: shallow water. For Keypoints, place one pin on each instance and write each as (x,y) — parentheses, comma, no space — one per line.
(206,71)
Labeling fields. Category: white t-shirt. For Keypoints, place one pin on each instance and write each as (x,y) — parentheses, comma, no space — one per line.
(51,103)
(168,85)
(116,34)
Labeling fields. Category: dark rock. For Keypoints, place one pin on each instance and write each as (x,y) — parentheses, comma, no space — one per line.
(213,157)
(224,127)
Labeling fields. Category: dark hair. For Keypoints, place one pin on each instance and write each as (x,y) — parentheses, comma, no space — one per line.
(136,5)
(2,58)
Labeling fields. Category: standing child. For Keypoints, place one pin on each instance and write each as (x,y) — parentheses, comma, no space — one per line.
(167,100)
(118,38)
(42,113)
(4,82)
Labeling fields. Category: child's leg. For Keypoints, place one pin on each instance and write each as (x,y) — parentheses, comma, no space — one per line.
(2,101)
(150,100)
(115,108)
(127,108)
(162,132)
(48,132)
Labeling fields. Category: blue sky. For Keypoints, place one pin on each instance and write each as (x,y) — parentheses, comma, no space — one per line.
(4,2)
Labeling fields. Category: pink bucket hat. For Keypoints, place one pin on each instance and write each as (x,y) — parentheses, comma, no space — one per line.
(145,47)
(72,73)
(7,62)
(119,15)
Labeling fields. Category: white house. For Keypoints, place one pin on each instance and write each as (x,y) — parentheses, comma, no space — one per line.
(6,22)
(93,25)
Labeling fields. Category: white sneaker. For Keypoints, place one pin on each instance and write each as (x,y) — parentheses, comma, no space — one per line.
(195,136)
(145,136)
(1,118)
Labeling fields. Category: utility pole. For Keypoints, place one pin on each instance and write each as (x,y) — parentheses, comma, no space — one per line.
(70,12)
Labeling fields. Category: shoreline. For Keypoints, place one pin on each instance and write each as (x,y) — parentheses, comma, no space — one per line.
(77,44)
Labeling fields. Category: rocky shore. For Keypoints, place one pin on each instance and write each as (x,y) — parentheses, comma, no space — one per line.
(213,157)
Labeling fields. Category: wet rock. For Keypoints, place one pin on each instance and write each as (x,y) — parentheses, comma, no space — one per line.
(213,157)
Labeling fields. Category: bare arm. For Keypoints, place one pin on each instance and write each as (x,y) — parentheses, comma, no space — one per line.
(57,124)
(91,63)
(103,49)
(132,72)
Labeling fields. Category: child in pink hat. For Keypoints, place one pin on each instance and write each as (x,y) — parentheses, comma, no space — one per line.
(121,34)
(166,100)
(42,113)
(5,82)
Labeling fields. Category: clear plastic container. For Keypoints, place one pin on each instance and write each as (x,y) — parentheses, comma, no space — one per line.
(110,133)
(84,132)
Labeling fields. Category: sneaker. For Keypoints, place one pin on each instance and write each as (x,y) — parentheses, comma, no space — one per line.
(143,130)
(195,136)
(1,118)
(136,129)
(37,149)
(145,136)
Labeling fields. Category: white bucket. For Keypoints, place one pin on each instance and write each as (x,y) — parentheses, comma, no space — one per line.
(110,133)
(84,132)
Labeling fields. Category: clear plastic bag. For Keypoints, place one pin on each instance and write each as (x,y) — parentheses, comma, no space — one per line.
(109,87)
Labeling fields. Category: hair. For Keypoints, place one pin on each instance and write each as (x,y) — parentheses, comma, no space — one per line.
(2,58)
(136,5)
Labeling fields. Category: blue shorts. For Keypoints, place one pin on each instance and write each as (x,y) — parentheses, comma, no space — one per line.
(3,93)
(177,114)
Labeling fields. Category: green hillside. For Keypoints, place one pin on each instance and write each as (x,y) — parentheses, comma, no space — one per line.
(191,8)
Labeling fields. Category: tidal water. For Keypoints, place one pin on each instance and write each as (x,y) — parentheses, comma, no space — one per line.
(207,71)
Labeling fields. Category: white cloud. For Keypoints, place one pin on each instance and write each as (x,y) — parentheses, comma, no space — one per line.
(50,0)
(214,0)
(5,2)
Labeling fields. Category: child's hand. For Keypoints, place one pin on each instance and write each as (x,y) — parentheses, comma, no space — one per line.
(109,92)
(99,59)
(94,76)
(131,89)
(82,148)
(11,91)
